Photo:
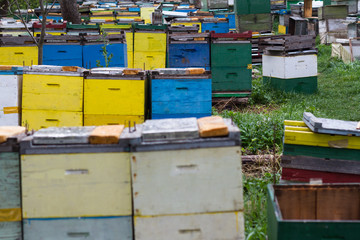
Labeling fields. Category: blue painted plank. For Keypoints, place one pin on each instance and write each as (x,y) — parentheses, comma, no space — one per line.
(63,55)
(181,107)
(218,27)
(89,228)
(189,55)
(180,90)
(9,180)
(10,231)
(163,116)
(94,52)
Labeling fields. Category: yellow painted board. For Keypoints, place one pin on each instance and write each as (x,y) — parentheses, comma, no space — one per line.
(151,42)
(76,185)
(52,92)
(187,24)
(282,29)
(149,60)
(36,119)
(296,128)
(19,55)
(146,14)
(10,215)
(130,58)
(123,97)
(102,18)
(50,33)
(294,123)
(128,17)
(98,120)
(309,138)
(129,41)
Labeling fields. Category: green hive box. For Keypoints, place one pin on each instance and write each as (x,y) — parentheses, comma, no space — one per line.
(313,212)
(252,6)
(254,22)
(231,66)
(306,85)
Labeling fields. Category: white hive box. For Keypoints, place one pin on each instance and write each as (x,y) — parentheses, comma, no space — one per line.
(10,95)
(287,67)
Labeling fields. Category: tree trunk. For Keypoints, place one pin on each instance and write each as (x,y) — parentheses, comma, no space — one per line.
(4,5)
(70,11)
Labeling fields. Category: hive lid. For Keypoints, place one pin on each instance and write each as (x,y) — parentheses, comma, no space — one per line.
(170,129)
(331,126)
(63,135)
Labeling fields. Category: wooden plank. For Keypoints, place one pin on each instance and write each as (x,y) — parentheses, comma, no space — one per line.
(106,134)
(301,175)
(216,226)
(339,204)
(213,126)
(297,203)
(321,164)
(9,181)
(10,131)
(10,230)
(188,177)
(76,185)
(307,8)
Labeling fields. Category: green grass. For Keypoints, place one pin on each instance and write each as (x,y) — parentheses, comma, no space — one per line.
(261,123)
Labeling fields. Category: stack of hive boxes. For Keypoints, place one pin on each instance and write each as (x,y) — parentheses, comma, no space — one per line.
(180,92)
(231,65)
(176,189)
(189,50)
(52,96)
(10,26)
(10,190)
(20,50)
(102,15)
(149,46)
(75,184)
(321,148)
(253,15)
(10,95)
(290,63)
(114,96)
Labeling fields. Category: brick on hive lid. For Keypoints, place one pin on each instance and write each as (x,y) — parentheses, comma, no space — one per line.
(213,126)
(108,134)
(10,131)
(195,71)
(8,67)
(69,68)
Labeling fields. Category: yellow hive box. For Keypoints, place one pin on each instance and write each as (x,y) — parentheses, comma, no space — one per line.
(50,33)
(150,42)
(129,17)
(102,18)
(296,132)
(115,97)
(98,120)
(282,29)
(52,92)
(76,185)
(146,14)
(19,55)
(187,24)
(149,60)
(36,119)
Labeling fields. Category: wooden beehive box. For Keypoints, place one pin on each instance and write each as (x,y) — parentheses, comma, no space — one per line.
(314,212)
